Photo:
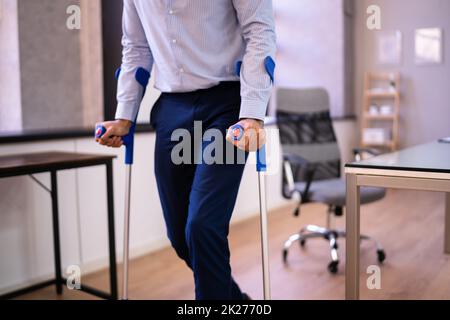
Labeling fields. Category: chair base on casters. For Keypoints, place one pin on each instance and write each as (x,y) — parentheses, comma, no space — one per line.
(312,232)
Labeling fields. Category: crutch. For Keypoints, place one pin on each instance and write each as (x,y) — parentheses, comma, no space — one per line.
(142,77)
(261,168)
(237,132)
(128,142)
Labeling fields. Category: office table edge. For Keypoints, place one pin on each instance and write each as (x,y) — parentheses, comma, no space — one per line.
(397,172)
(32,168)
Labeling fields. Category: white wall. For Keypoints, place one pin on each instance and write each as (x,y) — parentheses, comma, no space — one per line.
(26,247)
(10,97)
(310,41)
(425,111)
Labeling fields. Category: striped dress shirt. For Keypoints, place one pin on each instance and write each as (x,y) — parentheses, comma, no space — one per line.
(196,44)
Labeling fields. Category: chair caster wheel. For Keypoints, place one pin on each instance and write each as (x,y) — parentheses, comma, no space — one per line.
(285,254)
(381,256)
(333,267)
(302,243)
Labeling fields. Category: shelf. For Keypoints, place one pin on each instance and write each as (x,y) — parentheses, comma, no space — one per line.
(379,86)
(389,144)
(384,76)
(386,94)
(391,117)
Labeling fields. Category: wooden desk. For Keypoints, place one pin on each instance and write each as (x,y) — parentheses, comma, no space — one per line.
(425,167)
(52,162)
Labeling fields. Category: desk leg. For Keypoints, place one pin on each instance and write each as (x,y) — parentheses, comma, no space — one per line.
(56,240)
(447,224)
(111,231)
(352,239)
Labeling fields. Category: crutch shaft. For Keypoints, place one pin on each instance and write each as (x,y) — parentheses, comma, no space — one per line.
(264,236)
(126,233)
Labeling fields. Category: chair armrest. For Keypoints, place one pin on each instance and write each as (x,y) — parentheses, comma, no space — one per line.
(295,159)
(289,175)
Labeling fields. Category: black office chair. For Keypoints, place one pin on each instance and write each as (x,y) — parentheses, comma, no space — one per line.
(312,165)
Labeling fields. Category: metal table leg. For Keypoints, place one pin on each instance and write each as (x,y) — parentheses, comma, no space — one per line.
(447,224)
(111,231)
(56,239)
(352,240)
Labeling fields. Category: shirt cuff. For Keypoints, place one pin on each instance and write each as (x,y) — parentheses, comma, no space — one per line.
(127,111)
(252,109)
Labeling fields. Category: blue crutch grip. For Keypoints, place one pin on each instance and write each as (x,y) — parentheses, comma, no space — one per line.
(261,164)
(237,132)
(128,141)
(99,131)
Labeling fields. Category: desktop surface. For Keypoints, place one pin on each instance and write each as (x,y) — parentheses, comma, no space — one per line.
(430,157)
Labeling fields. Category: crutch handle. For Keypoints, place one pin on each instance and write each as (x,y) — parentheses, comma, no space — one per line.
(128,141)
(100,130)
(237,132)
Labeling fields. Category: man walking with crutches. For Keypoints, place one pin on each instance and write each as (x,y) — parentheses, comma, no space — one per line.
(195,46)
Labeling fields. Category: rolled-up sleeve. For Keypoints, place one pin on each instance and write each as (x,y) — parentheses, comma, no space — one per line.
(136,54)
(258,30)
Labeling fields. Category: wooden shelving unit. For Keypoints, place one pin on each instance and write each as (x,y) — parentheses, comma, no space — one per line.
(381,87)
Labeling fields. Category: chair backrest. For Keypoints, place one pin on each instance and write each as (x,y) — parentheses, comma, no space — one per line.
(306,130)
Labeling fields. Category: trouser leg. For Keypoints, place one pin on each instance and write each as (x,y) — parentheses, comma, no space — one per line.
(174,181)
(180,189)
(212,198)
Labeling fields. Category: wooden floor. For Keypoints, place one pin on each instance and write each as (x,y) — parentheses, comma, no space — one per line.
(409,225)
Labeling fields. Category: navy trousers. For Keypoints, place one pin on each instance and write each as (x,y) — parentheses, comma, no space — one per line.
(198,199)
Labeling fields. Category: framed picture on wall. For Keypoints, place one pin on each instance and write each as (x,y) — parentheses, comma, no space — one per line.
(389,48)
(428,46)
